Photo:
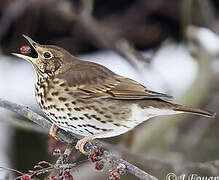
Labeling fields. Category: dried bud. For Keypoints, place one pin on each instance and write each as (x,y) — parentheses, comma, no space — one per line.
(114,176)
(99,165)
(57,152)
(121,169)
(25,177)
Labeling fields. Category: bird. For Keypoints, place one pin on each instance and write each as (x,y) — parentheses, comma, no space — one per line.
(88,99)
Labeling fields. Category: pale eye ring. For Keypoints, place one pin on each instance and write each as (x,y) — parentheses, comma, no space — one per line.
(47,55)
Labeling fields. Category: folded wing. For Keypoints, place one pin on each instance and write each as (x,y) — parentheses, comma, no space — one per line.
(98,81)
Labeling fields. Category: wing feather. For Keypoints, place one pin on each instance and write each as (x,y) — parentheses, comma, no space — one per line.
(98,81)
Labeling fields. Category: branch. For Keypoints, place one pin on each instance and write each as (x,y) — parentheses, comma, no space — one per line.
(109,37)
(69,138)
(15,9)
(179,166)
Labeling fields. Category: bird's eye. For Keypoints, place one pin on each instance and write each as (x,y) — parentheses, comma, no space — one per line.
(47,55)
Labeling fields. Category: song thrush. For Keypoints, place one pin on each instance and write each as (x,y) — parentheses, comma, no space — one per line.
(90,100)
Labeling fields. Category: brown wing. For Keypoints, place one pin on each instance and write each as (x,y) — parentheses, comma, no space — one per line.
(98,81)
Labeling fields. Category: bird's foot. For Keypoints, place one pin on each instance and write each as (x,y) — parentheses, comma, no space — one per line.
(81,143)
(52,132)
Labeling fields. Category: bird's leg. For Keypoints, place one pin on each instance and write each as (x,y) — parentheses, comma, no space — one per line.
(52,131)
(81,143)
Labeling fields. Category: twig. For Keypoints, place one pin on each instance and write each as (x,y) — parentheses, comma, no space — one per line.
(15,9)
(108,37)
(124,48)
(178,166)
(67,137)
(208,13)
(63,158)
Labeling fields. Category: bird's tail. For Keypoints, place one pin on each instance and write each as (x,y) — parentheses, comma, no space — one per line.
(198,111)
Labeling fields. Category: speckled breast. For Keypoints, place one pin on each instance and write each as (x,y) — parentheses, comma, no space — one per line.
(84,116)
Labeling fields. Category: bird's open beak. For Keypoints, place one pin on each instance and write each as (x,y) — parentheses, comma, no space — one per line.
(34,53)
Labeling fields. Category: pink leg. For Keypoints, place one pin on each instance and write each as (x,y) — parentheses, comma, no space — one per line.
(52,131)
(81,143)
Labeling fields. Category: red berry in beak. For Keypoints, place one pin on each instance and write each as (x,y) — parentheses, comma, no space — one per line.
(25,50)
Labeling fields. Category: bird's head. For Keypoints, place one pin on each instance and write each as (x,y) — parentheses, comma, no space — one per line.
(46,59)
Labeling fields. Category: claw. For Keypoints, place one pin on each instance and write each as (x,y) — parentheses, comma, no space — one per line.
(81,143)
(52,132)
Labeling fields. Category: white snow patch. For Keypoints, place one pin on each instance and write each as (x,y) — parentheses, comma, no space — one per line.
(208,39)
